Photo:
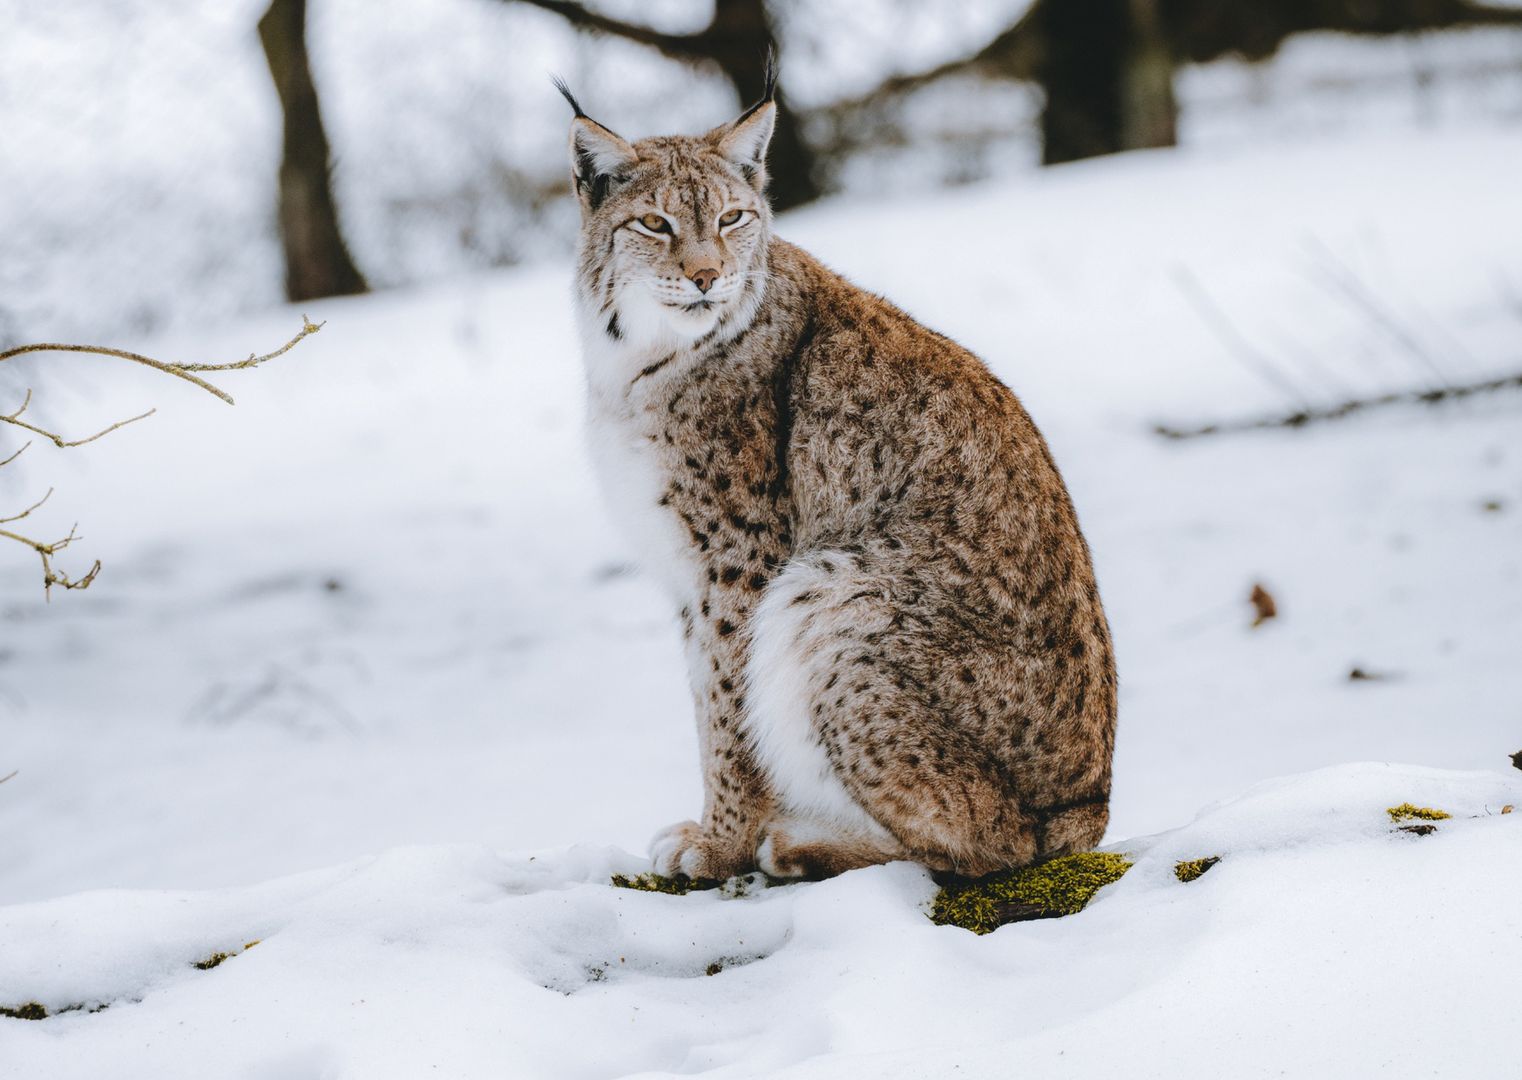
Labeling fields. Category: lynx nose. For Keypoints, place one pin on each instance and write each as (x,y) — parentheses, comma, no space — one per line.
(703,279)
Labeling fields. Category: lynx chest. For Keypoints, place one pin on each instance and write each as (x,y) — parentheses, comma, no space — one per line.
(692,469)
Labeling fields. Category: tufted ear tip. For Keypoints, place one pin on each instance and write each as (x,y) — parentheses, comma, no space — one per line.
(565,92)
(744,142)
(770,93)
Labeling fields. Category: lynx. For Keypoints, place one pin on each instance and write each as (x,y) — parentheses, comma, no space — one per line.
(894,640)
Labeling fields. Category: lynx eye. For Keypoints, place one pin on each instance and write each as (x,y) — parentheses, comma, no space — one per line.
(655,223)
(730,217)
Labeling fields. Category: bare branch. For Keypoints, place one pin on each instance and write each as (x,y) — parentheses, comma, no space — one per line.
(1012,55)
(179,371)
(24,403)
(46,551)
(8,775)
(159,365)
(676,46)
(307,327)
(50,576)
(62,443)
(1352,289)
(28,510)
(1426,396)
(1255,361)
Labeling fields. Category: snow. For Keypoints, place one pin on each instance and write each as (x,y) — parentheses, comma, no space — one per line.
(375,608)
(1324,943)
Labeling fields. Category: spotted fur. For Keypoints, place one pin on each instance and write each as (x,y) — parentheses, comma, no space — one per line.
(895,643)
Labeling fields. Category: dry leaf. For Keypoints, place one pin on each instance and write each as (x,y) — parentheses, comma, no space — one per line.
(1262,604)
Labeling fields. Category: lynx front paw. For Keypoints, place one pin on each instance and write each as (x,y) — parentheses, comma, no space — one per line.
(685,848)
(797,850)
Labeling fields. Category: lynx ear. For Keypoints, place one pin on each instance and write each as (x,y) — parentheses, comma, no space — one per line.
(744,142)
(598,156)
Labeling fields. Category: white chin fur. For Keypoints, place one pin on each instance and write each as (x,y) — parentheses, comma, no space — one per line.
(646,320)
(694,322)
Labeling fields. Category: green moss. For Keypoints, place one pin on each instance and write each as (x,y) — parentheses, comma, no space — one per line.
(1406,812)
(1191,869)
(1060,886)
(217,957)
(30,1011)
(735,888)
(673,886)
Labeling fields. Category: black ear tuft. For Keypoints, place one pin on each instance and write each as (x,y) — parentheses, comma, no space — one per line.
(565,92)
(769,93)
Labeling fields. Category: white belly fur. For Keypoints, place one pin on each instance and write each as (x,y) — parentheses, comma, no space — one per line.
(781,678)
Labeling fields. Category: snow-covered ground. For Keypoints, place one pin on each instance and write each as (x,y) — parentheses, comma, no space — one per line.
(1323,944)
(371,628)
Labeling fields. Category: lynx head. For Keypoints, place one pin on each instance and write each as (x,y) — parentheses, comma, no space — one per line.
(674,229)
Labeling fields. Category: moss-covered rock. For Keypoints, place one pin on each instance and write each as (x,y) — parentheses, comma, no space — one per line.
(1407,812)
(1060,886)
(1191,869)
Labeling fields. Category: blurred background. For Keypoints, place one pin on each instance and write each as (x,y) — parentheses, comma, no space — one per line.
(1254,267)
(148,150)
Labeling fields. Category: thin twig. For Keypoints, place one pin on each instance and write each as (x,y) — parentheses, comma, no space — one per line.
(1260,364)
(28,510)
(50,576)
(1347,408)
(179,371)
(8,775)
(1354,291)
(307,327)
(46,551)
(62,443)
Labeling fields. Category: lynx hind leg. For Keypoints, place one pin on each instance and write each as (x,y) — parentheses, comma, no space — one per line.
(836,713)
(1076,828)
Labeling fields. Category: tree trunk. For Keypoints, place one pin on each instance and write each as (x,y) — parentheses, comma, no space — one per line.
(317,262)
(1108,76)
(1149,115)
(740,37)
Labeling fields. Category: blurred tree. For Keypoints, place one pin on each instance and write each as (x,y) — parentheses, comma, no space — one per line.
(1106,66)
(1108,77)
(1201,30)
(736,41)
(317,261)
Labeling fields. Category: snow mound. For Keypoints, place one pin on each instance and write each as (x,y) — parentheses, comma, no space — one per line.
(1326,939)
